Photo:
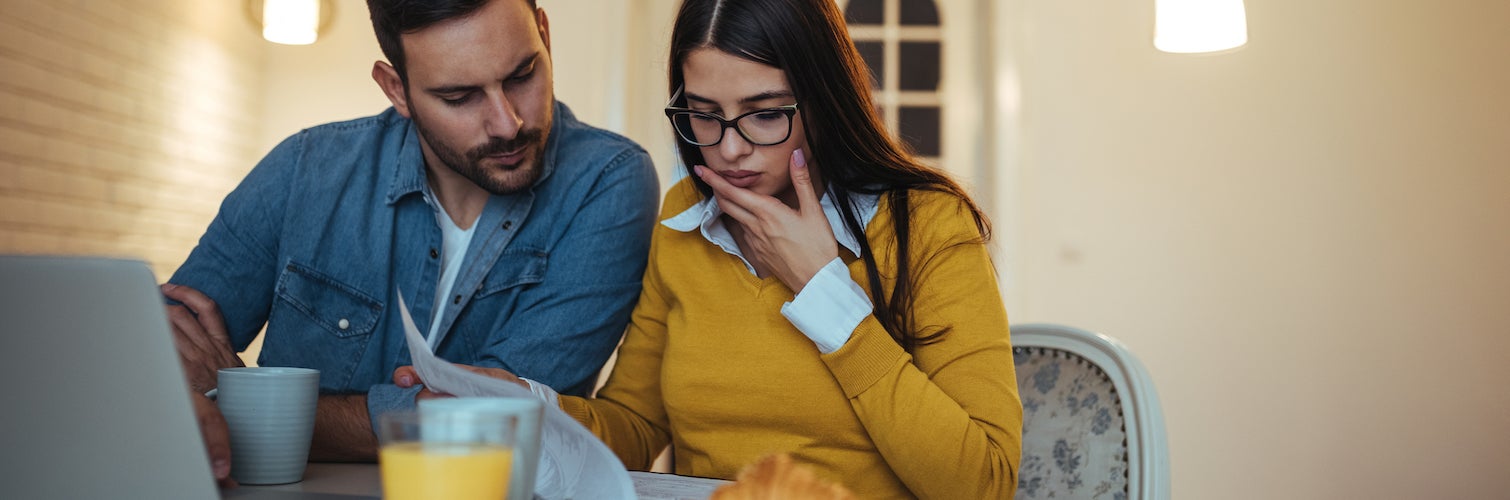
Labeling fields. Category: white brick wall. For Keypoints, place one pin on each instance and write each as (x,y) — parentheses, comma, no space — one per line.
(123,123)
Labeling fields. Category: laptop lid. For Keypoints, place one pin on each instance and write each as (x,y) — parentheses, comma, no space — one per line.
(97,406)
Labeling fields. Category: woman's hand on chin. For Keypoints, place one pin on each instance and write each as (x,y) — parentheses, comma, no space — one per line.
(792,244)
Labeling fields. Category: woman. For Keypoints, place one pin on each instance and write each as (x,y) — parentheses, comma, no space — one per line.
(860,330)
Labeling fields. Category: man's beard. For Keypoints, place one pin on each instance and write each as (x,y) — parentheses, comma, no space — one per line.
(513,179)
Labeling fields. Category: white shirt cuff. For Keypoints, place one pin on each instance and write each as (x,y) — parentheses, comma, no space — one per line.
(544,392)
(829,308)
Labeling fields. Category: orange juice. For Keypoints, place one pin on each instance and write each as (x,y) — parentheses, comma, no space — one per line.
(441,470)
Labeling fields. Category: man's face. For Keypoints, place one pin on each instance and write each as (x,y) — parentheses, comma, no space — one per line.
(480,91)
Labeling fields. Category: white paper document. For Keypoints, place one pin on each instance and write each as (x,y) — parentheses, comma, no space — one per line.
(574,464)
(655,486)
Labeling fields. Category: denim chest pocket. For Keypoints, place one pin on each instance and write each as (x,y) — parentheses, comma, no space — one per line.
(515,268)
(336,307)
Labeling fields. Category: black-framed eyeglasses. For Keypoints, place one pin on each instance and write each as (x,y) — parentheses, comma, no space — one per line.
(762,127)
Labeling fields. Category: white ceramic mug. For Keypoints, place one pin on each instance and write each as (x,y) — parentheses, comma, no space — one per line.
(271,415)
(527,444)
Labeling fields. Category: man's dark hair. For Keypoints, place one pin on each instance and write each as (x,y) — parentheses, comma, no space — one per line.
(391,18)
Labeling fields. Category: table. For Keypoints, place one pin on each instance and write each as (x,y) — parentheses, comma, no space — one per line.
(332,481)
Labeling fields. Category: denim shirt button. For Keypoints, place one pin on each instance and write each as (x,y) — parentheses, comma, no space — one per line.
(343,324)
(434,254)
(507,224)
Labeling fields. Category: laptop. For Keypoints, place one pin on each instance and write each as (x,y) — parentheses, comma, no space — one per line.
(97,406)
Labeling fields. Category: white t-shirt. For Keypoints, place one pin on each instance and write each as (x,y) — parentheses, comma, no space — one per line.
(453,253)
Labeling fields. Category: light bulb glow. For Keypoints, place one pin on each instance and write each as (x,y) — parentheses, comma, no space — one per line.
(1192,26)
(291,22)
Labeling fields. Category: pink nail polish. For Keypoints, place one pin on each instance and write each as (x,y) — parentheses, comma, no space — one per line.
(799,158)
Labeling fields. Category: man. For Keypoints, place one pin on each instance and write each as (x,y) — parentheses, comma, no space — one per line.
(515,233)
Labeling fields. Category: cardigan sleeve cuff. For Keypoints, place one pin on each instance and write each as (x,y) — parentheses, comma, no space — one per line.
(829,308)
(870,354)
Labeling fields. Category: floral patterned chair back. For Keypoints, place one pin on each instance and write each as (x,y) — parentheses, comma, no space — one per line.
(1092,427)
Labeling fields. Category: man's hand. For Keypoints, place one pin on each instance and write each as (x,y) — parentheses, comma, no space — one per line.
(406,377)
(217,438)
(204,346)
(793,244)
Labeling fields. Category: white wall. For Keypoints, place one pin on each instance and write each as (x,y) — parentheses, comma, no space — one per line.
(330,80)
(611,68)
(1305,240)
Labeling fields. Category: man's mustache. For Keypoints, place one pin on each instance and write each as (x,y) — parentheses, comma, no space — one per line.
(499,145)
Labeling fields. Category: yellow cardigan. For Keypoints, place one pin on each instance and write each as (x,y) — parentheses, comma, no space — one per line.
(711,365)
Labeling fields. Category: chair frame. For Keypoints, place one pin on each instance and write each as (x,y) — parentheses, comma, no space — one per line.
(1147,443)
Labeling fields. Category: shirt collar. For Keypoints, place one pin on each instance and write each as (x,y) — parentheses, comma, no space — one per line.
(706,215)
(409,166)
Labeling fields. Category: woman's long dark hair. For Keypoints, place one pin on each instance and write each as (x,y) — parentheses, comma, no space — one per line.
(810,42)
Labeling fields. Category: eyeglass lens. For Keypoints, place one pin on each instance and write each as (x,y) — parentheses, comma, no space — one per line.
(762,128)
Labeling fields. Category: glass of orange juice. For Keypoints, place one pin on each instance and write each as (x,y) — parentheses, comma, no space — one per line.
(455,455)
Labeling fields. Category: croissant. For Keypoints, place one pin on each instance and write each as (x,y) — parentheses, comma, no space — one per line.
(777,477)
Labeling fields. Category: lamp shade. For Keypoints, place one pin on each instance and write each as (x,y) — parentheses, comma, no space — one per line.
(1192,26)
(291,22)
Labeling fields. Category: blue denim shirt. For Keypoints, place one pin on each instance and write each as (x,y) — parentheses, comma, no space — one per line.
(320,236)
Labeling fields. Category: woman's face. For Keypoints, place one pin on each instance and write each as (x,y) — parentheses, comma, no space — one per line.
(729,86)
